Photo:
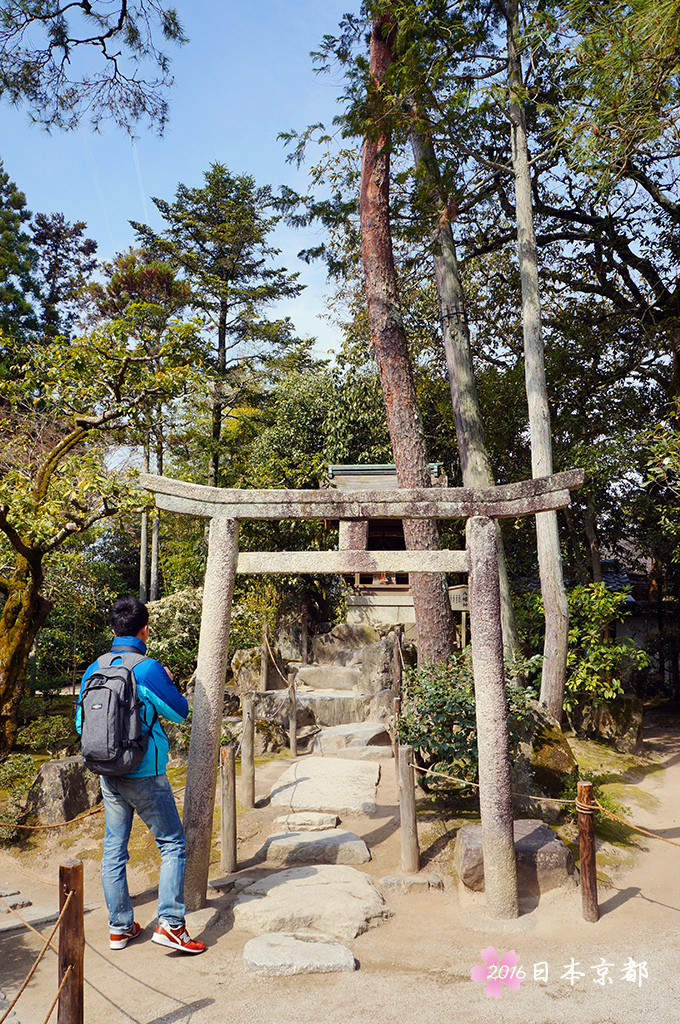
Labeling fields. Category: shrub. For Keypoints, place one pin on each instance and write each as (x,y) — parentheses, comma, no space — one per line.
(47,734)
(16,774)
(596,661)
(438,716)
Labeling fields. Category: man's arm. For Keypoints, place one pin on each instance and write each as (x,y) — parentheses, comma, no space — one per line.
(160,691)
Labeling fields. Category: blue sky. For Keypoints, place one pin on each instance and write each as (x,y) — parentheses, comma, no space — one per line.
(244,76)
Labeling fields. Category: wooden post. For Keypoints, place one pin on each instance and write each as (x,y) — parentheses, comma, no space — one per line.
(304,638)
(410,851)
(396,708)
(396,662)
(292,718)
(495,786)
(199,796)
(71,943)
(586,841)
(248,754)
(264,657)
(228,806)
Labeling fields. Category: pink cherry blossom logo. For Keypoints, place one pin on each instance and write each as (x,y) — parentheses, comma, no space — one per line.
(499,971)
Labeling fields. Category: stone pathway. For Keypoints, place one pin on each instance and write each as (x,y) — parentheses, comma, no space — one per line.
(327,784)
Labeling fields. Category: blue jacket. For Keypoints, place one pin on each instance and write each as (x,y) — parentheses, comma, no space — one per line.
(158,693)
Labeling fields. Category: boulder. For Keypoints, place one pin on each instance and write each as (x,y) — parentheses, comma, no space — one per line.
(325,648)
(544,762)
(62,790)
(376,665)
(285,953)
(543,861)
(381,707)
(330,898)
(246,668)
(326,784)
(334,846)
(618,720)
(352,734)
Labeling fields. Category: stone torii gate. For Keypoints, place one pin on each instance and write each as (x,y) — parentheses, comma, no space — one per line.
(480,506)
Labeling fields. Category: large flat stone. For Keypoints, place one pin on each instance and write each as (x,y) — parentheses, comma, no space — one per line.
(329,677)
(351,734)
(282,953)
(331,898)
(327,784)
(336,846)
(543,861)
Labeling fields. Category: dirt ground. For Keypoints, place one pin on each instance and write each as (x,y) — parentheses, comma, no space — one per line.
(415,968)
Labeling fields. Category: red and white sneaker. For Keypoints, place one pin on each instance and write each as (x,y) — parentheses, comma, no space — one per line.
(177,938)
(119,940)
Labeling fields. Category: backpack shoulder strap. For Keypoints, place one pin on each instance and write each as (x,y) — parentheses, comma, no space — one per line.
(129,656)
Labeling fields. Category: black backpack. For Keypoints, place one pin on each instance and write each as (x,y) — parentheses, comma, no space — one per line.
(111,739)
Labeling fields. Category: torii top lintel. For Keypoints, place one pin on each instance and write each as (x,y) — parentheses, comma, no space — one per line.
(519,499)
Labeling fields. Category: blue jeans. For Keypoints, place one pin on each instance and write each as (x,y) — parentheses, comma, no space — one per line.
(154,802)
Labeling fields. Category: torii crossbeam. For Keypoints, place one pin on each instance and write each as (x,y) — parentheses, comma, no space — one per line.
(226,507)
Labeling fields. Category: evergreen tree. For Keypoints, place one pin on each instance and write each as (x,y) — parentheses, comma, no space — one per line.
(216,238)
(18,285)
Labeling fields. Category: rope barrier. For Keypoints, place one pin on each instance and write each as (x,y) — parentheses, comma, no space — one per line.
(62,824)
(622,821)
(59,991)
(26,924)
(48,943)
(580,807)
(271,655)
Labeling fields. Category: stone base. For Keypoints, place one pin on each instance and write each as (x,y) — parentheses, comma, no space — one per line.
(543,861)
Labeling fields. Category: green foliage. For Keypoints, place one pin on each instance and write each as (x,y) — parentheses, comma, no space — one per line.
(438,716)
(596,660)
(48,734)
(18,285)
(17,771)
(16,774)
(174,628)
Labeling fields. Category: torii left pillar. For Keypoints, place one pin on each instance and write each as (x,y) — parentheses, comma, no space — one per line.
(211,671)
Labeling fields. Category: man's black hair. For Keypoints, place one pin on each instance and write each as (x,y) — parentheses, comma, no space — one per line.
(128,615)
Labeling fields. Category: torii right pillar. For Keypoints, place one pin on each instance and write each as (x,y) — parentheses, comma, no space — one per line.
(495,786)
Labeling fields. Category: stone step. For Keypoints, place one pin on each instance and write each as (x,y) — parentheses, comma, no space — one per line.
(329,677)
(328,784)
(286,953)
(350,735)
(333,899)
(335,846)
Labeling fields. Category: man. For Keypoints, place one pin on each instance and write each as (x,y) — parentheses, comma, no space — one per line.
(146,790)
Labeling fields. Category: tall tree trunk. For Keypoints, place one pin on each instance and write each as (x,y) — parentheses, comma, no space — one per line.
(23,614)
(434,620)
(467,413)
(218,404)
(156,525)
(547,536)
(593,542)
(144,536)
